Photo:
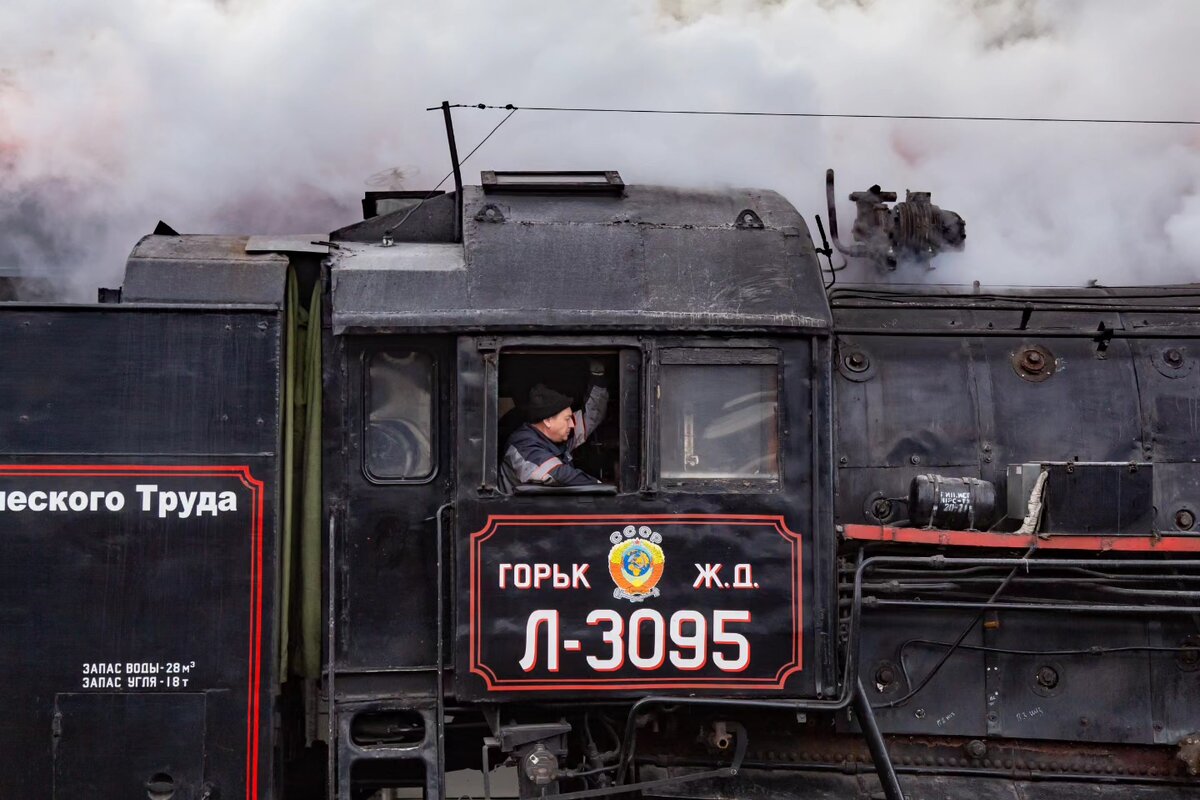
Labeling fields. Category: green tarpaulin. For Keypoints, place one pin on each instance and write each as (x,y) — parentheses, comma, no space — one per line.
(300,548)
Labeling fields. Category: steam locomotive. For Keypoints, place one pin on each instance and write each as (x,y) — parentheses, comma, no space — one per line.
(847,542)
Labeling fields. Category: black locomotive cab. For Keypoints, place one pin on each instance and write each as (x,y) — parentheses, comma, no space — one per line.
(686,564)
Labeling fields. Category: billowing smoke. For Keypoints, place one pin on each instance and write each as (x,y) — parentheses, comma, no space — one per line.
(270,116)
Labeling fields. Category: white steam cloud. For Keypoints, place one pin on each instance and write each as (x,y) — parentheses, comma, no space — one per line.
(272,116)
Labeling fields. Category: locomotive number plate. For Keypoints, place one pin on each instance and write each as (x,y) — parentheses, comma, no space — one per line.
(635,602)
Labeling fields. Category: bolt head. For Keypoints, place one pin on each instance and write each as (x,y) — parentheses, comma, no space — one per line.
(1047,677)
(857,361)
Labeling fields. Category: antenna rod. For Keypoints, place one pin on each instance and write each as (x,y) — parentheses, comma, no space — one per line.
(458,185)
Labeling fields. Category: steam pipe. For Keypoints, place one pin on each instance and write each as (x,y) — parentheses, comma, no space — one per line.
(938,562)
(876,744)
(332,777)
(441,634)
(1055,607)
(1016,304)
(1028,333)
(854,251)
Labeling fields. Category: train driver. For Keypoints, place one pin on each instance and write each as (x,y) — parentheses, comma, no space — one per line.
(539,451)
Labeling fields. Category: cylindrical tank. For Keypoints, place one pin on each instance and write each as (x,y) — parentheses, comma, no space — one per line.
(936,501)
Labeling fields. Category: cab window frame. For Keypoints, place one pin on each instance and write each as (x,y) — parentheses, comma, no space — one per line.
(625,402)
(366,397)
(683,353)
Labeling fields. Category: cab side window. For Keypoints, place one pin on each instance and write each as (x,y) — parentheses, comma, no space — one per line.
(719,421)
(399,434)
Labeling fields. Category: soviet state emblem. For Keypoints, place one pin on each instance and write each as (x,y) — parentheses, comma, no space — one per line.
(635,563)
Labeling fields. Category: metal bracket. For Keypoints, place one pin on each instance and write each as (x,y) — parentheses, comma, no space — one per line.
(748,220)
(1189,753)
(513,736)
(1104,335)
(490,213)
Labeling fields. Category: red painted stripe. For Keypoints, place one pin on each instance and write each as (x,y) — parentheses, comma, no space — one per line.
(117,469)
(242,472)
(1128,544)
(250,682)
(258,526)
(604,518)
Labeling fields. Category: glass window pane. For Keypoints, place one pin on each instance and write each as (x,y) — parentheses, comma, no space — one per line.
(399,441)
(718,421)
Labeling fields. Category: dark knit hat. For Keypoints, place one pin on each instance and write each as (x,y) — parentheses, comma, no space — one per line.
(545,402)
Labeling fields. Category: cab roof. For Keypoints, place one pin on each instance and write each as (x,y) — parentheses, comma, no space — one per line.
(650,258)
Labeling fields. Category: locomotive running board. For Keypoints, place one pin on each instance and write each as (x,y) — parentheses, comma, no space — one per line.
(1057,541)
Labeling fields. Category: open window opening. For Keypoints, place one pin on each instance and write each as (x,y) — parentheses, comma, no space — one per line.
(561,420)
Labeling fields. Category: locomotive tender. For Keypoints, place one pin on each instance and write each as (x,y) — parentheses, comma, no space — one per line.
(871,542)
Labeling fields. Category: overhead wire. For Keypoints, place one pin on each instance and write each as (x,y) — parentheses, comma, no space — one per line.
(828,115)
